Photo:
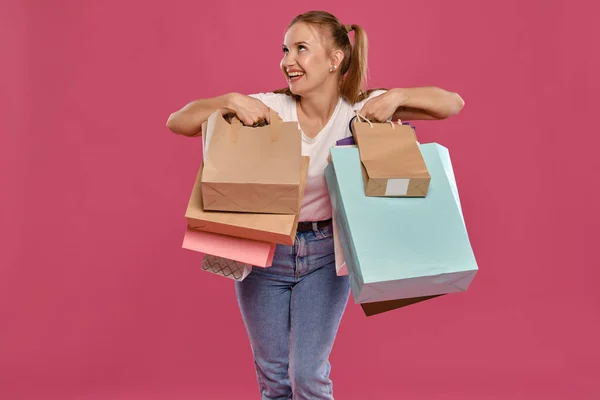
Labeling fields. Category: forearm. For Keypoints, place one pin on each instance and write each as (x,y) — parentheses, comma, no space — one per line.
(430,100)
(188,121)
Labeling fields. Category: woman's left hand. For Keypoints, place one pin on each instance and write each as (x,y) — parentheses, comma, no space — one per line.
(382,107)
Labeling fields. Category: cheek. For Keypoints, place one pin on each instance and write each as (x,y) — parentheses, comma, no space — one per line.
(307,62)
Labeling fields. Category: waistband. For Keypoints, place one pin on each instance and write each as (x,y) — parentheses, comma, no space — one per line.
(309,226)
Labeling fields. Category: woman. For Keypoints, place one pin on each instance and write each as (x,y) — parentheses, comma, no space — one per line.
(292,310)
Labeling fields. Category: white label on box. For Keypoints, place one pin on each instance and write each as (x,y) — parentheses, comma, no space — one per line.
(396,187)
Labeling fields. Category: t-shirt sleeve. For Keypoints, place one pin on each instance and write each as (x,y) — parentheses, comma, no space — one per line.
(359,105)
(275,101)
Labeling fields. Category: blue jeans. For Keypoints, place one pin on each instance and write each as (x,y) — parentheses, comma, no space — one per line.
(292,311)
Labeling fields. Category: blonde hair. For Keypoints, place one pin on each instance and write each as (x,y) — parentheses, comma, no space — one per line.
(354,66)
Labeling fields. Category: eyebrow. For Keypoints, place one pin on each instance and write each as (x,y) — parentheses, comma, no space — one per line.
(297,43)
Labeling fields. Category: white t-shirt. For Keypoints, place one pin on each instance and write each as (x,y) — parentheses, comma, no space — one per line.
(316,205)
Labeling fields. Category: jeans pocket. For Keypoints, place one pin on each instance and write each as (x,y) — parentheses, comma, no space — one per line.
(326,231)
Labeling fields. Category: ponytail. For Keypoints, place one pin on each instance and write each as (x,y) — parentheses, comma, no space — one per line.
(353,83)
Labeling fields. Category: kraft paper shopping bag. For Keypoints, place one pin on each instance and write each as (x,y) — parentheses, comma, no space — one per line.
(272,228)
(380,307)
(251,169)
(392,163)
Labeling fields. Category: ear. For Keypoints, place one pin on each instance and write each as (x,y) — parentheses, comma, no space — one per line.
(337,56)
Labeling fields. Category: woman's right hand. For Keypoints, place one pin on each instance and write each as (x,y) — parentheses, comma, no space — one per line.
(249,110)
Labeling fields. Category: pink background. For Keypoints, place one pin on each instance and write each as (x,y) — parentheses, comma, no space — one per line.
(99,301)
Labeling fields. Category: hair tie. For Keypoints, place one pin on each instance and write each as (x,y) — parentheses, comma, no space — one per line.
(348,28)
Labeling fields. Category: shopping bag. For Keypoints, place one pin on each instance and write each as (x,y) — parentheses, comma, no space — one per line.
(227,268)
(241,250)
(392,163)
(272,228)
(400,248)
(251,169)
(340,262)
(379,307)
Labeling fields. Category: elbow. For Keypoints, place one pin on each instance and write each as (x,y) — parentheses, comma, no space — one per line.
(449,105)
(172,123)
(456,104)
(177,124)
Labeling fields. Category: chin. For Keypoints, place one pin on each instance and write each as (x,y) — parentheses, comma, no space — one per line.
(295,91)
(301,90)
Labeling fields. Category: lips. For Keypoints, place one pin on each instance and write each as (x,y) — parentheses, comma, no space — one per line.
(294,75)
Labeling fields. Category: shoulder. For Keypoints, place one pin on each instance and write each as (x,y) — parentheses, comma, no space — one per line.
(278,102)
(349,110)
(370,95)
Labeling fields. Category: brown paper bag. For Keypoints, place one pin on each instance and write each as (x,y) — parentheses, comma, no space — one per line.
(380,307)
(393,165)
(272,228)
(252,169)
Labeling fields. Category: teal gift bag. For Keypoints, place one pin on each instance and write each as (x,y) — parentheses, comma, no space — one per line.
(401,248)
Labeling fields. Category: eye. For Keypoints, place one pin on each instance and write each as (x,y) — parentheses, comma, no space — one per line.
(301,47)
(285,49)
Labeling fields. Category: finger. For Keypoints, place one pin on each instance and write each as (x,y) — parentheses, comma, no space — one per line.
(266,115)
(248,121)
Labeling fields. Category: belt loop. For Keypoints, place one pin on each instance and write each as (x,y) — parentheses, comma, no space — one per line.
(315,226)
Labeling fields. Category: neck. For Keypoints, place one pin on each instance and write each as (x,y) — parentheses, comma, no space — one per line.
(319,105)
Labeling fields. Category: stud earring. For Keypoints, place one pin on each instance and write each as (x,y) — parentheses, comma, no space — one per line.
(333,68)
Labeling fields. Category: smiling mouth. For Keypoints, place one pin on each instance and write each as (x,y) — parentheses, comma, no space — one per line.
(294,76)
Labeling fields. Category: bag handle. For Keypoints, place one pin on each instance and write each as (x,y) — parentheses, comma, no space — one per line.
(274,126)
(274,117)
(359,116)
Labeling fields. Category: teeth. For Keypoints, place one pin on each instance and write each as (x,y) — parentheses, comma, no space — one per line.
(292,74)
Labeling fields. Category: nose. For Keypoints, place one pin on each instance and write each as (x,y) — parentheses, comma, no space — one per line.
(287,61)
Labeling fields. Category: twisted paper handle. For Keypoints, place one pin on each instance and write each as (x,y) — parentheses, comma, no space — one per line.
(359,116)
